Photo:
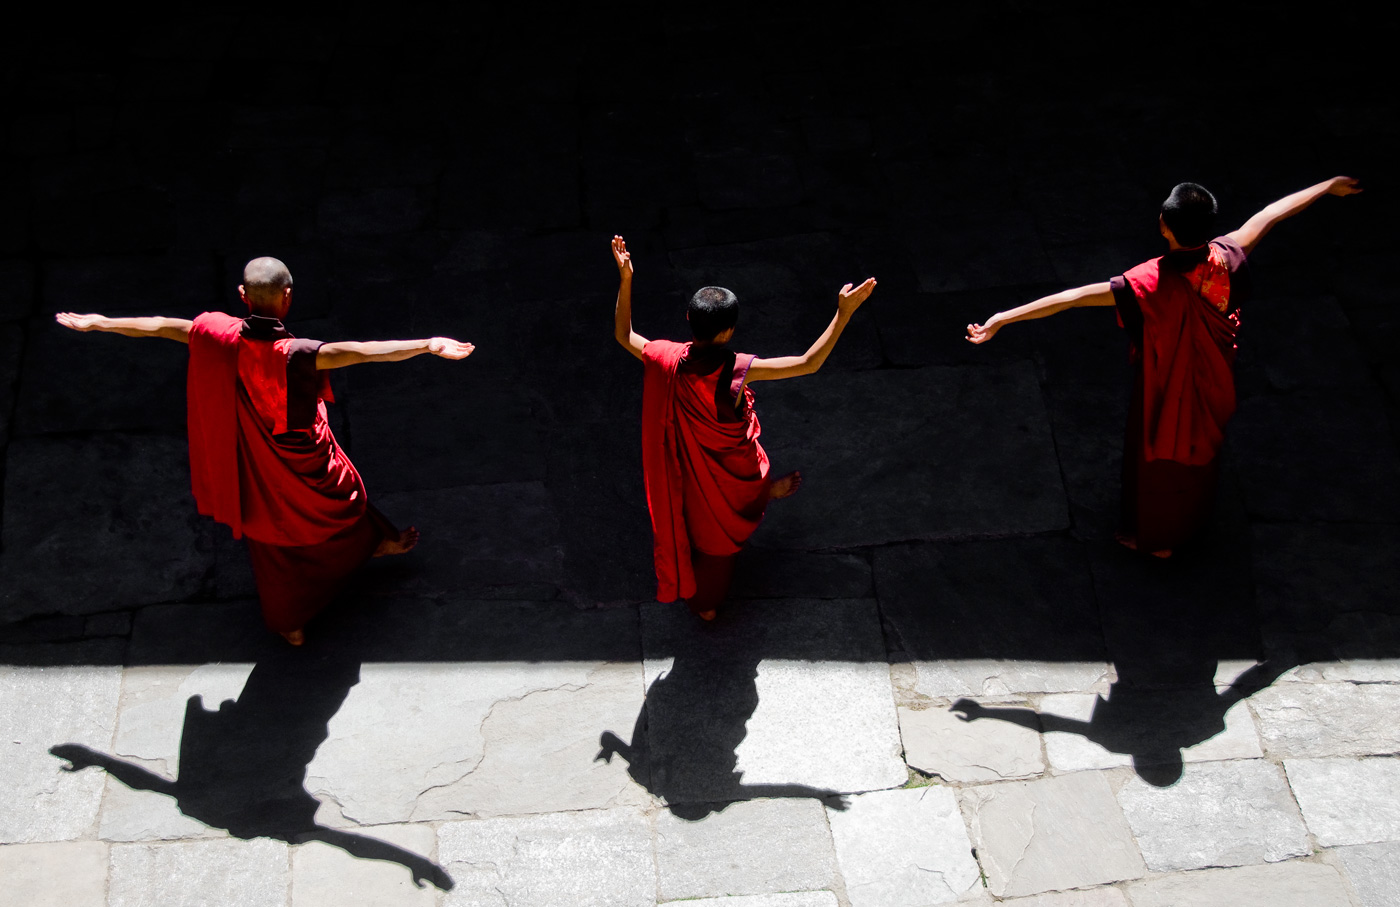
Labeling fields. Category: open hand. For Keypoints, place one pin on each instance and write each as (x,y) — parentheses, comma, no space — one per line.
(622,257)
(448,348)
(981,333)
(848,299)
(969,709)
(1344,185)
(78,322)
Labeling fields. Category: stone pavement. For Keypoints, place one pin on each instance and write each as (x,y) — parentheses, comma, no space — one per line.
(939,681)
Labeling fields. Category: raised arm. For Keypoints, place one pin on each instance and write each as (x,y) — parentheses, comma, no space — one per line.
(847,301)
(169,328)
(1260,224)
(631,341)
(1093,294)
(339,355)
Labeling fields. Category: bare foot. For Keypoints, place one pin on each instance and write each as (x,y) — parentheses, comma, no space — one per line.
(401,545)
(295,637)
(785,487)
(705,615)
(1127,541)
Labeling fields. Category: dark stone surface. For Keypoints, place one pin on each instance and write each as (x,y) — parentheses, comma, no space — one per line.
(898,455)
(767,573)
(99,523)
(1088,422)
(11,342)
(1287,343)
(1324,455)
(479,541)
(1329,589)
(16,290)
(1029,598)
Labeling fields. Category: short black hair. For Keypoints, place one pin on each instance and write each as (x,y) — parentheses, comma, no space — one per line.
(1189,212)
(712,311)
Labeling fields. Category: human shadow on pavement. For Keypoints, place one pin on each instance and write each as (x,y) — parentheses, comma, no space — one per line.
(1167,627)
(243,765)
(684,746)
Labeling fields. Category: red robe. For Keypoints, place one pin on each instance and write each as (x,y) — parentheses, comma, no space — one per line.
(1183,394)
(263,461)
(706,476)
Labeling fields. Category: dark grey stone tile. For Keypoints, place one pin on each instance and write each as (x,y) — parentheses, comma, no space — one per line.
(896,455)
(989,247)
(92,524)
(16,289)
(1088,422)
(1287,343)
(372,212)
(1324,455)
(744,179)
(1025,599)
(768,573)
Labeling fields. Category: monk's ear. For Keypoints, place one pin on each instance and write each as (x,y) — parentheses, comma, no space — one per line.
(243,295)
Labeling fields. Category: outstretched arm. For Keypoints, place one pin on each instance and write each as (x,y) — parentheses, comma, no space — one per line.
(169,328)
(1093,294)
(847,301)
(1260,224)
(631,341)
(339,355)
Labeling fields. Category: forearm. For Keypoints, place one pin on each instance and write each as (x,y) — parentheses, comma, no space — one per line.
(1050,305)
(339,355)
(154,326)
(622,312)
(816,354)
(1296,203)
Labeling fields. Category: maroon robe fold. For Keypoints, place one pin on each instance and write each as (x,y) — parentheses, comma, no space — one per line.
(263,461)
(706,473)
(1184,311)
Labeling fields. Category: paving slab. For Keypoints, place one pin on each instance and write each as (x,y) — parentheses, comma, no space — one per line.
(323,875)
(198,873)
(1019,829)
(1348,801)
(992,617)
(572,859)
(938,742)
(1088,422)
(17,296)
(776,698)
(788,899)
(70,874)
(990,246)
(79,512)
(479,541)
(974,444)
(11,345)
(1220,814)
(1374,871)
(904,848)
(1328,719)
(443,741)
(1294,342)
(1142,727)
(1343,468)
(1093,897)
(755,847)
(44,707)
(1293,884)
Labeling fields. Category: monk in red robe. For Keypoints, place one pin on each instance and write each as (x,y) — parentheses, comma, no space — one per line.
(263,460)
(706,473)
(1181,311)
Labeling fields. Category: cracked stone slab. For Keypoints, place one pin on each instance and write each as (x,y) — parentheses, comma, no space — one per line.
(1292,884)
(752,847)
(904,848)
(40,708)
(150,725)
(1348,801)
(1374,870)
(67,874)
(479,541)
(1019,829)
(1093,897)
(252,873)
(775,692)
(326,876)
(992,618)
(936,741)
(1149,722)
(571,859)
(1328,719)
(1219,814)
(442,741)
(79,512)
(974,446)
(789,899)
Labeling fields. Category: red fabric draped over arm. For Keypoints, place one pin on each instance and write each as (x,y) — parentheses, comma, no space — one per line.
(212,417)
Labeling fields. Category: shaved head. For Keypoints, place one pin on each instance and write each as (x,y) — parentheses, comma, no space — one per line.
(264,279)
